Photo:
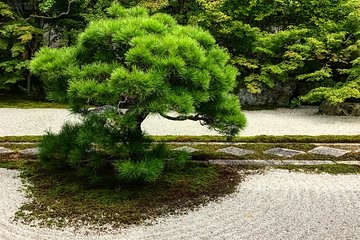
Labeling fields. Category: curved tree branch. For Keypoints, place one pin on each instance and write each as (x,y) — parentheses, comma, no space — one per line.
(53,17)
(122,101)
(183,118)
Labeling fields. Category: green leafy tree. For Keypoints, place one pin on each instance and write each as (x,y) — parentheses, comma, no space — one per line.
(309,43)
(28,25)
(18,41)
(312,44)
(22,33)
(146,64)
(342,55)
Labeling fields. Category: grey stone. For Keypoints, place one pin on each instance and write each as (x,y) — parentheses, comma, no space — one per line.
(329,151)
(235,151)
(30,151)
(102,109)
(342,109)
(5,150)
(278,95)
(246,162)
(306,162)
(206,162)
(269,162)
(186,149)
(349,162)
(283,152)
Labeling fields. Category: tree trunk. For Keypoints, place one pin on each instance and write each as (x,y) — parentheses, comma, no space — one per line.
(28,82)
(31,48)
(137,142)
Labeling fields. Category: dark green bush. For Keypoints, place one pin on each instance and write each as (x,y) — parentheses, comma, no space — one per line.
(178,160)
(88,146)
(154,162)
(92,148)
(55,149)
(138,172)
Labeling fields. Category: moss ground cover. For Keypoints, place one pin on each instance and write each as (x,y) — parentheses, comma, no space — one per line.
(209,151)
(17,139)
(264,139)
(332,169)
(18,164)
(24,101)
(61,199)
(250,139)
(18,146)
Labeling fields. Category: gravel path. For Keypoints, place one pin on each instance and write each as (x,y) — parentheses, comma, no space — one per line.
(275,205)
(303,121)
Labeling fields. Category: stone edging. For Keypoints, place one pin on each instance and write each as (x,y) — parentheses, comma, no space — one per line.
(276,162)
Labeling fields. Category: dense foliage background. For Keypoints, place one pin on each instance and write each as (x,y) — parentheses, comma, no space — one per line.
(310,45)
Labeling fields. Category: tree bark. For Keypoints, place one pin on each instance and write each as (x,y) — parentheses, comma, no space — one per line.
(28,82)
(136,141)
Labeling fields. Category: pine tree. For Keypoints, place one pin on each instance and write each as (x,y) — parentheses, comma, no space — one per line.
(146,64)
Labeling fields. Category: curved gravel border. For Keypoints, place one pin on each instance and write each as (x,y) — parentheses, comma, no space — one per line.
(276,205)
(302,121)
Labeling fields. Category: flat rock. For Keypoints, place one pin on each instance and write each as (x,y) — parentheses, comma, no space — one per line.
(102,109)
(30,151)
(306,162)
(349,162)
(5,150)
(186,149)
(357,151)
(236,151)
(283,152)
(336,152)
(246,162)
(269,162)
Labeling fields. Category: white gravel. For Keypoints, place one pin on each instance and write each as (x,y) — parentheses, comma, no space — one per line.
(276,205)
(21,122)
(303,121)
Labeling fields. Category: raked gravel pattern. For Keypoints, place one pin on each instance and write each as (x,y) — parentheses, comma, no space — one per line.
(301,121)
(275,205)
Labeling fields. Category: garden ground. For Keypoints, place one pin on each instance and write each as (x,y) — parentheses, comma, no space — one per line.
(275,204)
(271,203)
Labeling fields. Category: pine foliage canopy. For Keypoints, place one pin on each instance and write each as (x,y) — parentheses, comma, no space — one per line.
(148,64)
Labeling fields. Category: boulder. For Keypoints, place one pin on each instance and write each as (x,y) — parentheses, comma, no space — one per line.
(280,95)
(341,109)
